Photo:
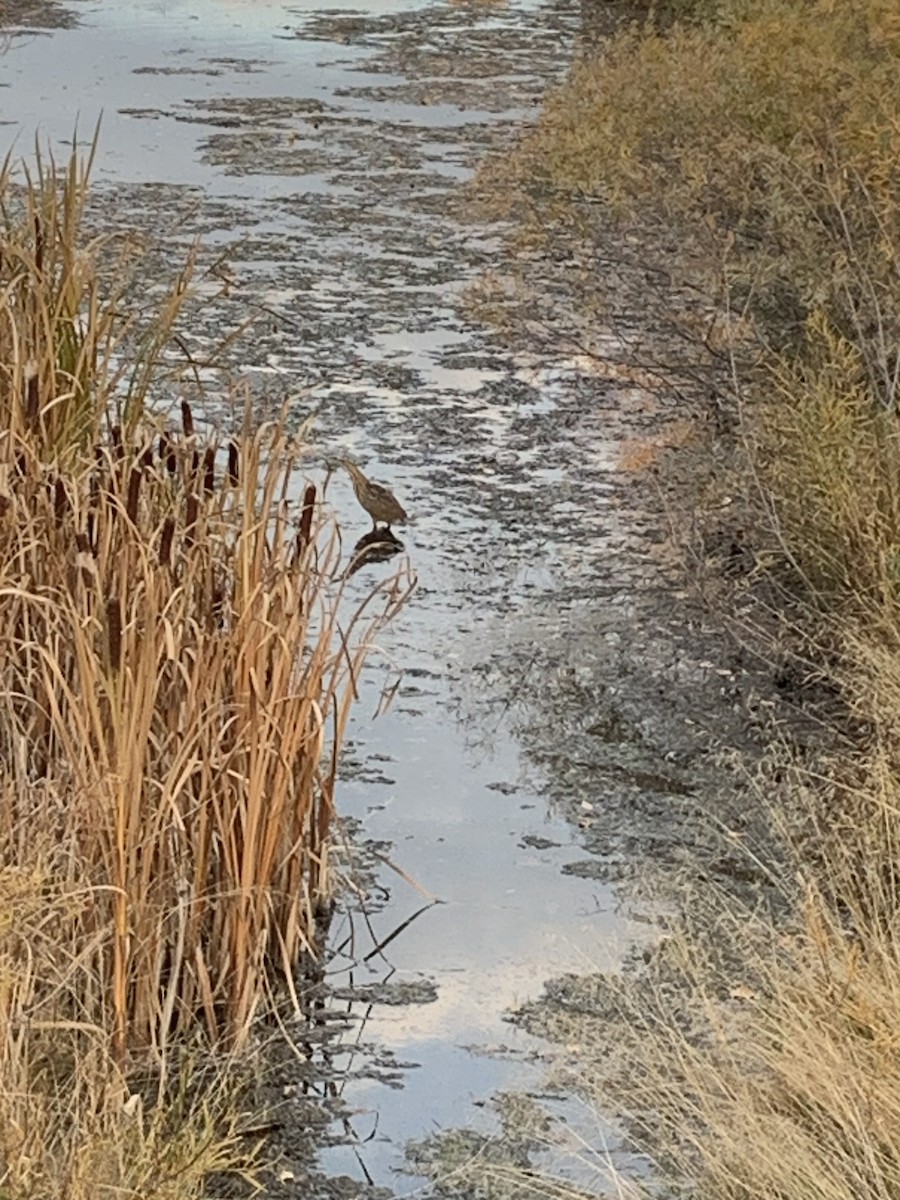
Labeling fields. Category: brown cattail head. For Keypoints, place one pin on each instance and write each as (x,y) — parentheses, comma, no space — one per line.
(209,470)
(114,633)
(234,473)
(167,453)
(32,395)
(165,542)
(192,509)
(134,491)
(306,516)
(38,245)
(60,500)
(187,419)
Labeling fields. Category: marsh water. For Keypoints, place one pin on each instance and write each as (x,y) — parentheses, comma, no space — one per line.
(320,154)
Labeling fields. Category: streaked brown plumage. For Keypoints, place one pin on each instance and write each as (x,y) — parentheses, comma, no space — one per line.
(379,502)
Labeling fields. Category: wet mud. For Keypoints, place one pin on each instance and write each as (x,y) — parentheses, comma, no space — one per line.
(21,17)
(550,710)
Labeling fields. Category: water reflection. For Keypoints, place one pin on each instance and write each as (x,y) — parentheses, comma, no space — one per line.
(378,545)
(349,233)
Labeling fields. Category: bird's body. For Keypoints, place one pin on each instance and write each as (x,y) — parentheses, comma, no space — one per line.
(379,502)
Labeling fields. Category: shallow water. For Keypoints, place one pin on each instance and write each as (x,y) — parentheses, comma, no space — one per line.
(321,152)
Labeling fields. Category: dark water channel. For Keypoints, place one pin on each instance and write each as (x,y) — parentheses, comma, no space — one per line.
(319,153)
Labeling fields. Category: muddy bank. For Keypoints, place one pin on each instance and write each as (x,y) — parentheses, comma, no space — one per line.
(20,17)
(662,700)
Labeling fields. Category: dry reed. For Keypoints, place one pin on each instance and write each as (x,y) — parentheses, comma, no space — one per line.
(176,675)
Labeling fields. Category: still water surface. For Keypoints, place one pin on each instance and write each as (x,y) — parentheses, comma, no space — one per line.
(322,152)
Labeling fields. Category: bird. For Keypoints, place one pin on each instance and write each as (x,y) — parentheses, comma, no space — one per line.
(379,502)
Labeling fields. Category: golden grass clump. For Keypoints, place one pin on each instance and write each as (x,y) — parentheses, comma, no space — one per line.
(830,458)
(762,144)
(759,1057)
(679,115)
(754,1055)
(176,674)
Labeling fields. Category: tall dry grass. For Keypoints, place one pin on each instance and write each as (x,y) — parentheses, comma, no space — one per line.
(176,673)
(176,683)
(80,347)
(753,1054)
(757,1056)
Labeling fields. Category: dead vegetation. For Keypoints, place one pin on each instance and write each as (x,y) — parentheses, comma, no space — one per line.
(177,665)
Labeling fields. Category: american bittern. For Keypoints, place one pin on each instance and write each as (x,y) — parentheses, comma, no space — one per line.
(379,502)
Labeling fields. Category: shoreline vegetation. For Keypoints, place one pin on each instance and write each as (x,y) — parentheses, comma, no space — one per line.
(179,663)
(748,151)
